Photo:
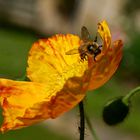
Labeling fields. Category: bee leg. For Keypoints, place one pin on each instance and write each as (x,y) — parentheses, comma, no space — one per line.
(83,57)
(86,58)
(95,58)
(95,40)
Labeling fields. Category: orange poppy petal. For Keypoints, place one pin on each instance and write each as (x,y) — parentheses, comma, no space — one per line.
(48,62)
(105,34)
(106,66)
(25,103)
(60,82)
(18,100)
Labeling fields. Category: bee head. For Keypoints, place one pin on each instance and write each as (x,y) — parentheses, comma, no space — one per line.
(92,48)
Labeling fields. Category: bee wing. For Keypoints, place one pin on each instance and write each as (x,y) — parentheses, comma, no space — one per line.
(85,34)
(73,51)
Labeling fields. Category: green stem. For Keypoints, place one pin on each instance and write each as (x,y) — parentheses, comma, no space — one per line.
(127,98)
(93,132)
(82,121)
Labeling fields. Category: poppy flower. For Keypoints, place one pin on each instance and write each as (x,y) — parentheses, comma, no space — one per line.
(58,82)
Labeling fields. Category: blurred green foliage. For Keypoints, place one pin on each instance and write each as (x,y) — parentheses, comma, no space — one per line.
(32,133)
(130,66)
(14,47)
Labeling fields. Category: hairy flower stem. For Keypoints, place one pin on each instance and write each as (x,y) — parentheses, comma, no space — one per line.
(82,120)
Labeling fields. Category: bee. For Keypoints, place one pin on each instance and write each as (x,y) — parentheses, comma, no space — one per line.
(88,47)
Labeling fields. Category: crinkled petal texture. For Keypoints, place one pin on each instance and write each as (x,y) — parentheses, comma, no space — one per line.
(106,66)
(48,62)
(109,59)
(105,34)
(59,81)
(25,103)
(18,101)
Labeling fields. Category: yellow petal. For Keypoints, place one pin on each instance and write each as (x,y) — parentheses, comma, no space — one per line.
(25,103)
(49,64)
(60,83)
(105,34)
(17,98)
(106,66)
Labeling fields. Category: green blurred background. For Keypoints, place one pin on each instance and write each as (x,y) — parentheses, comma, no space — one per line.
(22,22)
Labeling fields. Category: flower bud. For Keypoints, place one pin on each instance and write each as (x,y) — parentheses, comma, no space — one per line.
(115,111)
